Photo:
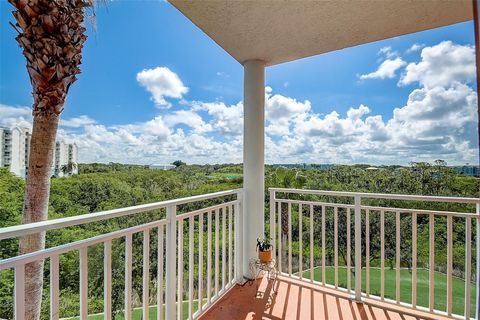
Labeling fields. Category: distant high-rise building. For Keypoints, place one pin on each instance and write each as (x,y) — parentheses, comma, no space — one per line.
(15,150)
(468,170)
(65,159)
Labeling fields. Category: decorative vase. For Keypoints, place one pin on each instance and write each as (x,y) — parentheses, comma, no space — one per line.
(265,256)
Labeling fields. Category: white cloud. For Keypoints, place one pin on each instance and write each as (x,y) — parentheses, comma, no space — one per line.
(278,128)
(11,111)
(433,124)
(161,82)
(15,116)
(357,114)
(156,128)
(189,118)
(387,69)
(455,104)
(388,52)
(281,107)
(100,133)
(152,142)
(77,121)
(442,65)
(227,120)
(415,47)
(223,74)
(332,126)
(438,122)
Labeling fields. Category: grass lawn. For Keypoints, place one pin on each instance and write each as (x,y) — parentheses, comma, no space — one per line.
(137,313)
(229,175)
(405,286)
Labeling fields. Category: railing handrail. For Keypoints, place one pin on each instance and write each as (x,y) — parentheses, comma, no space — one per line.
(30,228)
(64,248)
(76,245)
(379,208)
(379,195)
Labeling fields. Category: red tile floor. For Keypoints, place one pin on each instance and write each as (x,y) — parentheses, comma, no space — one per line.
(299,300)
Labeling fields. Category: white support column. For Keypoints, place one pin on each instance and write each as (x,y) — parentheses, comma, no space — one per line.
(253,158)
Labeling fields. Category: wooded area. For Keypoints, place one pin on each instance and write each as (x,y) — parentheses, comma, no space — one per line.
(101,187)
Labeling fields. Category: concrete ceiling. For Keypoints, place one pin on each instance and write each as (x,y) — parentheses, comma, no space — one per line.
(278,31)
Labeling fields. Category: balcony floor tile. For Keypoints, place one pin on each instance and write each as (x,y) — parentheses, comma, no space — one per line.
(299,300)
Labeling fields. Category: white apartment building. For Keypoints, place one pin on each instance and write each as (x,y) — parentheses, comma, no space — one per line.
(161,166)
(65,154)
(15,148)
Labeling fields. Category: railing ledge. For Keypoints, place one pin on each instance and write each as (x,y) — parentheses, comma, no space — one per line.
(379,195)
(30,228)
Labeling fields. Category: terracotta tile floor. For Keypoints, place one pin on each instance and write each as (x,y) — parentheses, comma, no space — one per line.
(298,300)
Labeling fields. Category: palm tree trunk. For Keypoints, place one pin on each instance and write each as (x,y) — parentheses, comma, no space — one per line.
(35,207)
(51,34)
(285,222)
(284,252)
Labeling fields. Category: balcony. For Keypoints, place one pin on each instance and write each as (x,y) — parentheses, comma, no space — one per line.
(340,255)
(197,247)
(394,292)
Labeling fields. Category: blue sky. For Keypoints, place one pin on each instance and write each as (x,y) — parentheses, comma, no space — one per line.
(113,115)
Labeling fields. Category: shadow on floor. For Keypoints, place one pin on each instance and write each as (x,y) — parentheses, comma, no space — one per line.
(295,300)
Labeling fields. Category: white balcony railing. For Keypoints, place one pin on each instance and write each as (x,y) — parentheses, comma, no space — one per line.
(219,221)
(317,207)
(331,232)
